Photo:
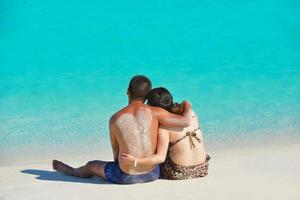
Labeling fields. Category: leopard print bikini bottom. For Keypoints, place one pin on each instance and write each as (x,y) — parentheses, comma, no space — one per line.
(170,170)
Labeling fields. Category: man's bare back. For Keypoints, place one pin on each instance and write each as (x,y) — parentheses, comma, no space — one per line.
(135,128)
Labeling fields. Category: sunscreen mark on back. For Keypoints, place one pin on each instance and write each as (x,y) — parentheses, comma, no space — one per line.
(135,129)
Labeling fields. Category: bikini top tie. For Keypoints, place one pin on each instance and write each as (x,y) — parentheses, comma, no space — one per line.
(191,135)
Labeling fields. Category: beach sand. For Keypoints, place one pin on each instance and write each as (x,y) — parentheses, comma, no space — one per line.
(266,173)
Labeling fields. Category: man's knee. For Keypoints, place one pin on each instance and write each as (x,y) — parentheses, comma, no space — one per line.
(96,167)
(90,164)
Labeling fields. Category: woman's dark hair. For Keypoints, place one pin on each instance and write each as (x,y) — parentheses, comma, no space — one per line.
(161,97)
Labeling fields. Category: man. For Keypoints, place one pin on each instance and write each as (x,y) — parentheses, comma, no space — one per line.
(133,130)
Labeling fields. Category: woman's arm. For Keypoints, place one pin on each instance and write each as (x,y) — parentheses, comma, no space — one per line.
(158,157)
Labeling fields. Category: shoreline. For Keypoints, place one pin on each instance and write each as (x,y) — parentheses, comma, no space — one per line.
(102,150)
(269,172)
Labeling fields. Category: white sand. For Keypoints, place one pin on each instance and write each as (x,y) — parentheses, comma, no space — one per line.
(261,173)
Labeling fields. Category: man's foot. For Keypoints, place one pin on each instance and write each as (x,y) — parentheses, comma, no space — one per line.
(61,167)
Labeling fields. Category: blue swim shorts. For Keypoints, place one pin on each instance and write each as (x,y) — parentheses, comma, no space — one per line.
(114,174)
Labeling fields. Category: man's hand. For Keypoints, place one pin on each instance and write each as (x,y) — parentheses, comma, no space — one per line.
(187,105)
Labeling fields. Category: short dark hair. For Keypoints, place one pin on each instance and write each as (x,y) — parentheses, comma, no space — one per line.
(139,87)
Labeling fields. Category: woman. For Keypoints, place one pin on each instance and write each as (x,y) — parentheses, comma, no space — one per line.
(181,151)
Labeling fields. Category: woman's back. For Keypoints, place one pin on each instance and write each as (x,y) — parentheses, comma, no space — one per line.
(182,150)
(186,146)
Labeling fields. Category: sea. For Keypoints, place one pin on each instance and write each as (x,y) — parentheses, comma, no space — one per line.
(65,68)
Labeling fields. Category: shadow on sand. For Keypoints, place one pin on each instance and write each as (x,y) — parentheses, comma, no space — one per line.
(57,176)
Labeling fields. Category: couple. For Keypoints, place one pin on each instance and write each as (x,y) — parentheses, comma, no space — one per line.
(144,136)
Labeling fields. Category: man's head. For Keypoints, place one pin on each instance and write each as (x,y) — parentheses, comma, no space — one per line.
(139,87)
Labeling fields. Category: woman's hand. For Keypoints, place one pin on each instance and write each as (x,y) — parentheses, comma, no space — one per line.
(127,159)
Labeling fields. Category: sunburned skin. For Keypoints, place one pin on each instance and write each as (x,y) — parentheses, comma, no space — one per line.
(190,115)
(135,130)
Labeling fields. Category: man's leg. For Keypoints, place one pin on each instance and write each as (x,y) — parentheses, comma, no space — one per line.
(92,168)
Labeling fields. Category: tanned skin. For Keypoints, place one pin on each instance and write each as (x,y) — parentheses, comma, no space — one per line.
(121,144)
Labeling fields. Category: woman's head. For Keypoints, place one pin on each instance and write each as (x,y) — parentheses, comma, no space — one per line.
(161,97)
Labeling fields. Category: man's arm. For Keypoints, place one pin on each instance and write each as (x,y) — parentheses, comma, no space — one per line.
(158,157)
(113,139)
(168,119)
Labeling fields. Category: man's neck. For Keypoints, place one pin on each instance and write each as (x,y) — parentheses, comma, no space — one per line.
(135,101)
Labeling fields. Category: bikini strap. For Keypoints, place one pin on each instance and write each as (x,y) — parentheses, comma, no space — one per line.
(191,135)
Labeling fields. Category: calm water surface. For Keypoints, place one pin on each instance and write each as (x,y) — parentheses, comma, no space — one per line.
(65,65)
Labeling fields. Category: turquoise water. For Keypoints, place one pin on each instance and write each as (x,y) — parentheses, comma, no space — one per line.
(65,65)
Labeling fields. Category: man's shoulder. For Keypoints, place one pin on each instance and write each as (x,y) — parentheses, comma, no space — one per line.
(127,109)
(116,115)
(155,109)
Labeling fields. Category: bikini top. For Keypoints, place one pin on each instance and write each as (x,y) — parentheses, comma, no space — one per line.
(191,135)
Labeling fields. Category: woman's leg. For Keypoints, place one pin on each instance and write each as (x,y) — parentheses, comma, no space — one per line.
(92,168)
